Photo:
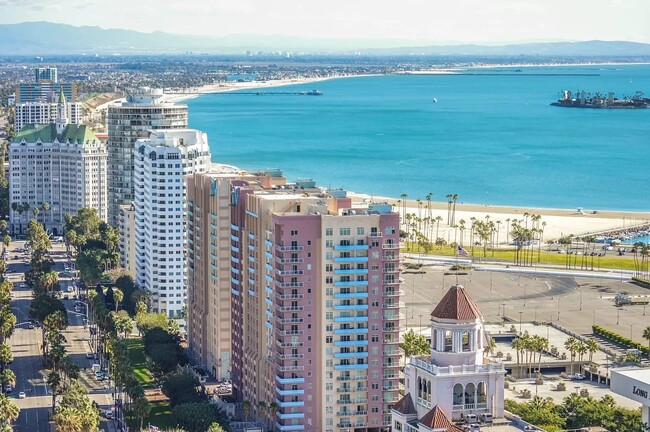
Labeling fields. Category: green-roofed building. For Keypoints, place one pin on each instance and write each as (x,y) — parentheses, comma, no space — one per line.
(61,164)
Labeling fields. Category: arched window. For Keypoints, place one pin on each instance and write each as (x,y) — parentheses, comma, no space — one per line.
(481,393)
(429,391)
(420,387)
(470,390)
(458,394)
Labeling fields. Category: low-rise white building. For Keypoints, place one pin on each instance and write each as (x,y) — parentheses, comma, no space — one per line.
(61,164)
(42,112)
(161,162)
(454,380)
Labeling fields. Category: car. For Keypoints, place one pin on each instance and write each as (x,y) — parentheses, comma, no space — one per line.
(9,388)
(578,377)
(89,356)
(70,289)
(22,285)
(22,395)
(66,297)
(109,414)
(30,326)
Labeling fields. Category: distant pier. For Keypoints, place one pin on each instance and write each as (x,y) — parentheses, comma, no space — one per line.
(272,93)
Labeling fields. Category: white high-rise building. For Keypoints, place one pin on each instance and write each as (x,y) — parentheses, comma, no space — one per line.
(43,112)
(144,110)
(61,164)
(161,162)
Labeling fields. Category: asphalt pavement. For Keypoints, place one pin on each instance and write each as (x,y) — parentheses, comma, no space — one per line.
(25,345)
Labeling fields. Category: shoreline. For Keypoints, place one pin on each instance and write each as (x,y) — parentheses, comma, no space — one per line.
(559,222)
(230,86)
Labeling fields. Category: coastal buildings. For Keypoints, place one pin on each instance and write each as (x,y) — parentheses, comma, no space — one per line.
(126,228)
(161,162)
(314,283)
(143,110)
(454,380)
(208,268)
(57,169)
(38,102)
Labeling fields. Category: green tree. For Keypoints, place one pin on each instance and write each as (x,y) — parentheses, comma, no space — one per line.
(75,403)
(198,417)
(646,335)
(8,410)
(216,427)
(246,407)
(182,388)
(141,409)
(414,344)
(89,264)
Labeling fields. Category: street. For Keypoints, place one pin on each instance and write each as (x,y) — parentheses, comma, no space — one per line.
(36,406)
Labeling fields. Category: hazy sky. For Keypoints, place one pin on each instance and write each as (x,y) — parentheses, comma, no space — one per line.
(443,21)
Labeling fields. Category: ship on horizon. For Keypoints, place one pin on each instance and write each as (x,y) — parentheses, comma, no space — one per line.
(598,101)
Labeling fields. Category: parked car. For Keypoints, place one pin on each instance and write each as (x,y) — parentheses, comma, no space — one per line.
(578,377)
(22,395)
(30,326)
(89,356)
(109,414)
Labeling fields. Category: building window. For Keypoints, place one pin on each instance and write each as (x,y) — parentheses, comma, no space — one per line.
(329,232)
(360,231)
(344,231)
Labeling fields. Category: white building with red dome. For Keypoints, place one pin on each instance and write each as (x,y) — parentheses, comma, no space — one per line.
(455,379)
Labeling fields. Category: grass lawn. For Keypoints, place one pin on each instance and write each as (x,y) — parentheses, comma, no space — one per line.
(507,256)
(136,355)
(161,415)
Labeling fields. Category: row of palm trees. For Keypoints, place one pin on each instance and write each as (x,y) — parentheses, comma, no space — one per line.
(578,348)
(641,261)
(261,409)
(21,208)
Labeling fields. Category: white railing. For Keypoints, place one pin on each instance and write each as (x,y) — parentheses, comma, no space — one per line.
(453,370)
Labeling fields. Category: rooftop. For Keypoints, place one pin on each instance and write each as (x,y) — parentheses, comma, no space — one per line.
(47,133)
(457,304)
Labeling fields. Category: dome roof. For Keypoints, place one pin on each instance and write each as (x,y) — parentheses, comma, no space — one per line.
(457,304)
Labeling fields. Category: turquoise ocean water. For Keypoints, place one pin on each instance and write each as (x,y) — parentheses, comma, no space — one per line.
(492,137)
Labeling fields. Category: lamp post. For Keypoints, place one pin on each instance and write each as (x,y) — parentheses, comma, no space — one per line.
(631,325)
(520,313)
(420,322)
(558,309)
(618,315)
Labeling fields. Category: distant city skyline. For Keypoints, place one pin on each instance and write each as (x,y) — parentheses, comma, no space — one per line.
(416,21)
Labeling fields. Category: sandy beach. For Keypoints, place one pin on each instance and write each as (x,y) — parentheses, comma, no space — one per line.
(559,222)
(247,85)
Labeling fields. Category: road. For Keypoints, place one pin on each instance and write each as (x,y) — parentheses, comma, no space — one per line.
(25,343)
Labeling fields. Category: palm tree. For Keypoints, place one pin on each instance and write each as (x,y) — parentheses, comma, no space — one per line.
(8,410)
(592,347)
(274,408)
(54,381)
(45,207)
(646,335)
(215,427)
(118,296)
(141,409)
(453,212)
(518,345)
(570,345)
(246,407)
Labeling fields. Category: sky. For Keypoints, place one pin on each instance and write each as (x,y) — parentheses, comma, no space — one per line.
(430,21)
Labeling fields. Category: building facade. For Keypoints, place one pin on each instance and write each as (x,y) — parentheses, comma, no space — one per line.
(144,110)
(44,112)
(161,163)
(57,168)
(454,380)
(314,286)
(127,238)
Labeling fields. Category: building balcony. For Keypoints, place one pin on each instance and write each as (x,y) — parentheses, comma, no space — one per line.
(290,416)
(350,247)
(456,370)
(289,428)
(344,319)
(290,356)
(290,285)
(289,260)
(290,368)
(374,234)
(285,381)
(392,305)
(291,332)
(350,271)
(355,295)
(351,378)
(351,354)
(353,414)
(390,246)
(289,296)
(289,272)
(359,401)
(360,259)
(290,404)
(288,344)
(350,283)
(351,343)
(290,308)
(350,331)
(350,366)
(392,293)
(288,320)
(351,307)
(289,392)
(289,248)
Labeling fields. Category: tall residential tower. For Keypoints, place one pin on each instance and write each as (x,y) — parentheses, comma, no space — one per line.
(143,111)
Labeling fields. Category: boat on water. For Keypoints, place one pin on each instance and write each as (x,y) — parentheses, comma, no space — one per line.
(312,93)
(583,99)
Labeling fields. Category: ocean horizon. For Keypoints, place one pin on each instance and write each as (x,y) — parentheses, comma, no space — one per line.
(488,135)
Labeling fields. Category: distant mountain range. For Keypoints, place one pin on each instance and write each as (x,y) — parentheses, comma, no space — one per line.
(41,38)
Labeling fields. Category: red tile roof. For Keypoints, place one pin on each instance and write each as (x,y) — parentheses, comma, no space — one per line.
(457,304)
(405,405)
(436,419)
